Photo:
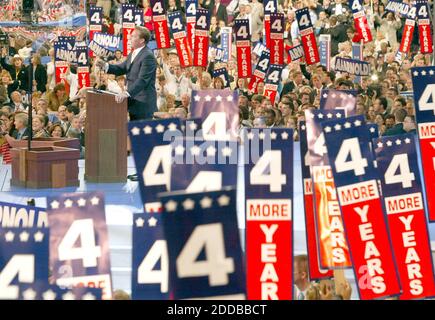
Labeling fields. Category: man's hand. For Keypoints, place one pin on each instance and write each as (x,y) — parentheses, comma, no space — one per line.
(100,63)
(121,97)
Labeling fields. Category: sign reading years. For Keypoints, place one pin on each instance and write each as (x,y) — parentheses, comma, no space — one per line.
(333,247)
(150,141)
(79,218)
(423,83)
(397,162)
(315,271)
(269,214)
(205,256)
(348,145)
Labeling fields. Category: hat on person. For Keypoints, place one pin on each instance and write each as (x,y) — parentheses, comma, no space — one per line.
(17,56)
(173,51)
(243,2)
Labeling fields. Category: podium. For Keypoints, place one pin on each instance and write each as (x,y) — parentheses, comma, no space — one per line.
(105,138)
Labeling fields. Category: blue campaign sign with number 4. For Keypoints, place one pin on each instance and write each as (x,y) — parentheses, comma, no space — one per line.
(205,255)
(45,291)
(150,274)
(151,145)
(23,259)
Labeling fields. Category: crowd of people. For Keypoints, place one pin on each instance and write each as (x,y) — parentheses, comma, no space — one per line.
(60,108)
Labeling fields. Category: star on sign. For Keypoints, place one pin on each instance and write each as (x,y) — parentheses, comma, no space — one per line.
(152,222)
(88,296)
(338,115)
(24,236)
(303,127)
(333,95)
(325,95)
(197,98)
(407,140)
(372,130)
(423,73)
(193,126)
(261,135)
(206,202)
(347,125)
(320,115)
(357,123)
(179,150)
(337,127)
(135,131)
(389,143)
(9,236)
(227,151)
(230,98)
(38,236)
(171,206)
(29,294)
(139,222)
(81,202)
(188,204)
(95,201)
(147,130)
(327,129)
(68,296)
(207,98)
(342,95)
(311,115)
(415,73)
(329,115)
(160,128)
(172,126)
(218,98)
(195,150)
(250,135)
(398,142)
(211,151)
(273,135)
(223,200)
(284,135)
(54,204)
(49,295)
(68,203)
(431,72)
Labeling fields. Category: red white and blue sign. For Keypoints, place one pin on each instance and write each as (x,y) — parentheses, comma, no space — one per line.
(269,213)
(308,37)
(356,178)
(397,163)
(423,82)
(205,255)
(41,290)
(19,216)
(79,243)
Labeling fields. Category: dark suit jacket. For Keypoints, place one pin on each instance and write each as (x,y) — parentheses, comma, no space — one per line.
(22,78)
(26,134)
(141,79)
(288,87)
(221,13)
(40,77)
(395,130)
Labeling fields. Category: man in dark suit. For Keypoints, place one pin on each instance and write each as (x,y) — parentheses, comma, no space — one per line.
(220,11)
(399,116)
(140,68)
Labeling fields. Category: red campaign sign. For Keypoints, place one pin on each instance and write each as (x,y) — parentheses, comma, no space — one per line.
(424,29)
(408,31)
(267,30)
(190,28)
(427,148)
(270,91)
(272,240)
(362,27)
(310,46)
(316,272)
(276,38)
(83,77)
(200,54)
(260,71)
(61,68)
(244,69)
(333,247)
(411,243)
(183,51)
(162,32)
(127,30)
(366,231)
(92,30)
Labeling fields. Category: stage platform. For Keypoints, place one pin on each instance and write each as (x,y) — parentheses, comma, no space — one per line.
(123,199)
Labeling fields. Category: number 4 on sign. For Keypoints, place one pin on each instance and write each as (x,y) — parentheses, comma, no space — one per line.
(427,99)
(270,161)
(146,273)
(21,265)
(350,148)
